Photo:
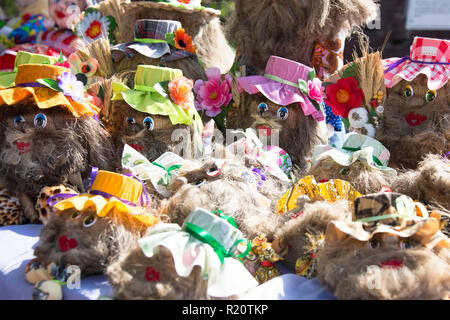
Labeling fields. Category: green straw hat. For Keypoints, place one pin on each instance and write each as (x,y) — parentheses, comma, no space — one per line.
(151,94)
(7,78)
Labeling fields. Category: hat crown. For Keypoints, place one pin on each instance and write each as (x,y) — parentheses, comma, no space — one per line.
(30,73)
(117,185)
(147,75)
(23,57)
(359,141)
(287,69)
(430,50)
(155,29)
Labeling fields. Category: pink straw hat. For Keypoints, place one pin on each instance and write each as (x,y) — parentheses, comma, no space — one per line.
(428,56)
(286,82)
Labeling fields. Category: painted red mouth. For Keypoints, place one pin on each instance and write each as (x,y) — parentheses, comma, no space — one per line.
(23,147)
(265,131)
(395,264)
(137,147)
(151,274)
(415,119)
(60,14)
(66,244)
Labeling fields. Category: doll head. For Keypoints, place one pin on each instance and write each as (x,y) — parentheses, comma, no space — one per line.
(159,42)
(65,12)
(146,117)
(203,24)
(173,262)
(362,161)
(230,187)
(285,101)
(49,135)
(90,230)
(418,104)
(386,253)
(291,29)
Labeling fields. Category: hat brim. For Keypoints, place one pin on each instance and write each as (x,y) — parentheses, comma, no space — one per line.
(279,93)
(150,50)
(7,79)
(346,158)
(437,75)
(46,98)
(152,103)
(103,206)
(425,230)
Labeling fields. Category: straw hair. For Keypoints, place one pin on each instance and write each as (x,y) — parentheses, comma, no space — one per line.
(370,73)
(100,50)
(115,9)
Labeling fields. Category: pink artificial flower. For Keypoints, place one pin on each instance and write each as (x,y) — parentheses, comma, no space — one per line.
(315,91)
(214,93)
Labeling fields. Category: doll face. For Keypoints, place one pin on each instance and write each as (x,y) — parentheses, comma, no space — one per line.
(138,277)
(296,133)
(45,146)
(417,106)
(378,268)
(75,238)
(149,134)
(64,12)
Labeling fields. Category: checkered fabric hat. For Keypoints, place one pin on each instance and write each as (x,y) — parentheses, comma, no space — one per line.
(430,57)
(150,41)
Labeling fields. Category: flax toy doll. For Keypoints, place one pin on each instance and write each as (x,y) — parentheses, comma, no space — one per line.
(146,116)
(310,32)
(159,42)
(387,252)
(49,134)
(203,24)
(91,230)
(283,102)
(415,124)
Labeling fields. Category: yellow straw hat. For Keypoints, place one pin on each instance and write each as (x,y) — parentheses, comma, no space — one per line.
(49,86)
(110,191)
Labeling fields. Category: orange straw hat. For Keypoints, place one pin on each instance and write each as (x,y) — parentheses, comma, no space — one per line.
(109,191)
(49,86)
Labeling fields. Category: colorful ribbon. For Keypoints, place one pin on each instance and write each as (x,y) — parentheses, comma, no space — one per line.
(170,169)
(399,62)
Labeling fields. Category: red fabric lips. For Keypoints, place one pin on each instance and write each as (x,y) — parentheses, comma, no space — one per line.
(151,274)
(391,264)
(66,244)
(415,119)
(23,147)
(137,147)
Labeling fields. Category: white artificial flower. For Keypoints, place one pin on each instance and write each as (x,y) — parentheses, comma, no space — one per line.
(380,109)
(92,27)
(358,117)
(369,130)
(187,3)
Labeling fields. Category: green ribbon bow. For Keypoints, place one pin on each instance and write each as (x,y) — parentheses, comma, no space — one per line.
(375,159)
(204,236)
(170,169)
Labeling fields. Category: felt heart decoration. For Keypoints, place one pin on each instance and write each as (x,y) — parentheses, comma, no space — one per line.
(137,147)
(415,119)
(66,244)
(151,274)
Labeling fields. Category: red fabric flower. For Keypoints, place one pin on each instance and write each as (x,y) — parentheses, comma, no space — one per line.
(344,96)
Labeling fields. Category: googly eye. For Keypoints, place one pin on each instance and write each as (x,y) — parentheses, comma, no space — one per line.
(75,215)
(18,120)
(374,244)
(89,221)
(200,182)
(213,170)
(40,120)
(148,123)
(408,91)
(131,120)
(263,107)
(406,244)
(283,113)
(430,95)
